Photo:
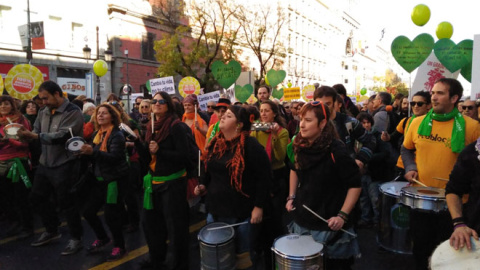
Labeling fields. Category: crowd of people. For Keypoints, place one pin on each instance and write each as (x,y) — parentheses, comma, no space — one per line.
(266,166)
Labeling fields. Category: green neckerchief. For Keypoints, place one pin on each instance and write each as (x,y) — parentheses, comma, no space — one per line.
(18,171)
(458,131)
(112,191)
(214,131)
(147,185)
(290,154)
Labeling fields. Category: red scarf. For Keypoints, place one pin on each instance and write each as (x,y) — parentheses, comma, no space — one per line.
(161,127)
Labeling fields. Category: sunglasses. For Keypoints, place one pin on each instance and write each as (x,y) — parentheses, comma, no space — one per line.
(160,101)
(145,107)
(137,103)
(318,103)
(420,104)
(467,107)
(113,103)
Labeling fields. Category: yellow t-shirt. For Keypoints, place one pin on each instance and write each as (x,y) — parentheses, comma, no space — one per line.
(400,130)
(434,157)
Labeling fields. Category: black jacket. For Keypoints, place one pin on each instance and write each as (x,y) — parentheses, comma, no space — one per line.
(111,165)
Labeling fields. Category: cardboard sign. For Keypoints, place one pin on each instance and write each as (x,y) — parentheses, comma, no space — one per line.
(291,93)
(165,84)
(307,93)
(22,81)
(204,99)
(428,73)
(475,93)
(411,54)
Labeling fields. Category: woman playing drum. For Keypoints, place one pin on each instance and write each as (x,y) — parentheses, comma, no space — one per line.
(109,167)
(327,180)
(15,171)
(237,177)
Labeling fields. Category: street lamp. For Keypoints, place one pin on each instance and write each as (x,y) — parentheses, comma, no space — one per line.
(87,52)
(128,88)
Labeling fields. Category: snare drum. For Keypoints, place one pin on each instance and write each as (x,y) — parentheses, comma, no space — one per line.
(424,198)
(217,247)
(74,144)
(262,126)
(11,131)
(394,231)
(295,251)
(446,257)
(127,132)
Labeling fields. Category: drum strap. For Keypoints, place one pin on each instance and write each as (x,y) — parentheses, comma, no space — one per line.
(112,191)
(147,185)
(17,171)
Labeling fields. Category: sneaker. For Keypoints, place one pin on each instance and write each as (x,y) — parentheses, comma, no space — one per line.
(45,238)
(98,245)
(117,253)
(73,247)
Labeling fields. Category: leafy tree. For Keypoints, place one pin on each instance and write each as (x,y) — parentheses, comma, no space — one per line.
(391,83)
(196,36)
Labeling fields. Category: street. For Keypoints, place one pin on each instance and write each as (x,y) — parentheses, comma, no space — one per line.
(19,255)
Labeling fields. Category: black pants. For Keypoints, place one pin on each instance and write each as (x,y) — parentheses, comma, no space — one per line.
(132,196)
(168,220)
(58,181)
(429,229)
(113,213)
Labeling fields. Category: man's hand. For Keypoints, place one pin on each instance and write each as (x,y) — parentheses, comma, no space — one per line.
(410,175)
(26,134)
(461,236)
(385,136)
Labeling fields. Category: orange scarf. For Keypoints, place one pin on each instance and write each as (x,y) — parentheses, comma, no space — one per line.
(200,139)
(100,138)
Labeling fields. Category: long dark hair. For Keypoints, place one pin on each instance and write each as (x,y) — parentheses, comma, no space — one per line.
(243,116)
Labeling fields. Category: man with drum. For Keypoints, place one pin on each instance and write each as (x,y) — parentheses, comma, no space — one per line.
(436,139)
(55,124)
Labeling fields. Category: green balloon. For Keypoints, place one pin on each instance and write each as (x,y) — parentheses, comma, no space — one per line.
(467,72)
(242,93)
(276,76)
(454,56)
(363,91)
(278,94)
(226,74)
(411,54)
(149,88)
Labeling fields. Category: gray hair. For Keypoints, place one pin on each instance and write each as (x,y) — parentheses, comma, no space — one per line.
(87,106)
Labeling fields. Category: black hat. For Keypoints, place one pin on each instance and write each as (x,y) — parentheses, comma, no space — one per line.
(222,102)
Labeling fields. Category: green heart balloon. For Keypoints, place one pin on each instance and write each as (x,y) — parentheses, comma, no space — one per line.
(242,93)
(226,74)
(276,76)
(278,94)
(411,54)
(453,56)
(467,72)
(149,88)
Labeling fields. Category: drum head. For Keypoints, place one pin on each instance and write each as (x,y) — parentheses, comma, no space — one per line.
(297,245)
(11,130)
(424,192)
(74,144)
(128,130)
(215,237)
(393,188)
(446,257)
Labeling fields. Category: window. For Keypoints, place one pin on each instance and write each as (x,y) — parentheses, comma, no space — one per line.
(77,38)
(148,42)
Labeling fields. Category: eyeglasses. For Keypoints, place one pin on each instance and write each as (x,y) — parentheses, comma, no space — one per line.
(467,107)
(420,104)
(160,101)
(145,107)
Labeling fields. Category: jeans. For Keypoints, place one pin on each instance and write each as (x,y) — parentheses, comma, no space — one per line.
(369,200)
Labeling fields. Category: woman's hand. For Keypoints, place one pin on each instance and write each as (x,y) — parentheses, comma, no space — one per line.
(200,190)
(289,206)
(86,149)
(257,214)
(275,128)
(461,237)
(153,147)
(335,223)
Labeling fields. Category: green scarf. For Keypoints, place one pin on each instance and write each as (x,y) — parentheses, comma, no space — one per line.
(18,171)
(214,131)
(148,188)
(458,131)
(290,153)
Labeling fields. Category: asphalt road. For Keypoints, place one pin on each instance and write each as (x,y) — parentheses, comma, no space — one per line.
(19,255)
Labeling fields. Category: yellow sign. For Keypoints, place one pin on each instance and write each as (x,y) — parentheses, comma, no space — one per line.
(252,99)
(1,85)
(307,93)
(291,93)
(22,81)
(188,85)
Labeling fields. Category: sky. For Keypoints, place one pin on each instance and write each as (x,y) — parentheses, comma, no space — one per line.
(395,17)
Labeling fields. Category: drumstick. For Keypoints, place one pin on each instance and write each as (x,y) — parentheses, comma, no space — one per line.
(418,182)
(153,125)
(227,226)
(441,179)
(199,156)
(9,121)
(71,132)
(324,220)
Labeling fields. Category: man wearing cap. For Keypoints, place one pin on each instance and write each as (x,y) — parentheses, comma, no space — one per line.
(219,109)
